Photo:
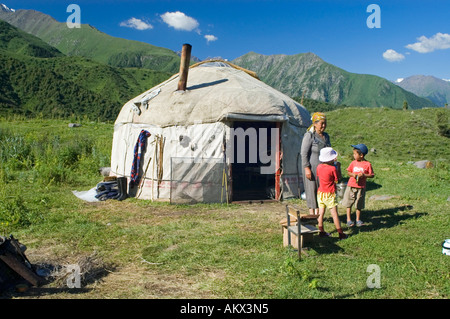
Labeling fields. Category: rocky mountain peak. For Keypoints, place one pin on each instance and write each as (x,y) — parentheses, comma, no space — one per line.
(4,8)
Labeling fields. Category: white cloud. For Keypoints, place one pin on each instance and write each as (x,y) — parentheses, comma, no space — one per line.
(179,21)
(210,38)
(448,80)
(439,41)
(393,56)
(137,24)
(399,80)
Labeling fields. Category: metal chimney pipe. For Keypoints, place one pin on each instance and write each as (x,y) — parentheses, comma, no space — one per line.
(184,66)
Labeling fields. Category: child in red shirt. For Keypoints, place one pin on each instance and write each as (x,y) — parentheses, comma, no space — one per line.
(327,174)
(359,170)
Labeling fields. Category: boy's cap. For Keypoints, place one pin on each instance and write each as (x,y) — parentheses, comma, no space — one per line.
(327,154)
(362,147)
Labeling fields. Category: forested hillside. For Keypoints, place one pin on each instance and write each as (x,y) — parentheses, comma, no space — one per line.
(37,79)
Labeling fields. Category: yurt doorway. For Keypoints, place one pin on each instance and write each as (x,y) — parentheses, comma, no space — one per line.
(253,177)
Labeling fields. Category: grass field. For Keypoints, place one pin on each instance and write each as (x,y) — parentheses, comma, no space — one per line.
(139,249)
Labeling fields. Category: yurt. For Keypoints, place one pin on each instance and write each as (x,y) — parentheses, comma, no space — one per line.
(214,133)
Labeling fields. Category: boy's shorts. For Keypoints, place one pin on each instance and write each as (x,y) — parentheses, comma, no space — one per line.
(326,200)
(354,195)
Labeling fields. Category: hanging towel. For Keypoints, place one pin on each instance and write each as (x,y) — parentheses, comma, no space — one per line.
(138,150)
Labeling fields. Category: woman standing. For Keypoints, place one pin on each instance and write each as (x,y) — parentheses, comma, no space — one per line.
(314,140)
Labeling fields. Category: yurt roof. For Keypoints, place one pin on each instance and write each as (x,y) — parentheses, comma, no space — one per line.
(216,91)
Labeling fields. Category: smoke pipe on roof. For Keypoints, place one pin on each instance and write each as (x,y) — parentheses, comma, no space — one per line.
(184,66)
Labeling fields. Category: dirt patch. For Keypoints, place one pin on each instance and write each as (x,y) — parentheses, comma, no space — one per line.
(61,277)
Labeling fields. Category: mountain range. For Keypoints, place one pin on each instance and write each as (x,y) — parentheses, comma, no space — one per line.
(430,87)
(91,43)
(308,75)
(112,70)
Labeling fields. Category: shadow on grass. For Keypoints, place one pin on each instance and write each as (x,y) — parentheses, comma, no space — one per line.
(374,220)
(385,218)
(326,245)
(372,186)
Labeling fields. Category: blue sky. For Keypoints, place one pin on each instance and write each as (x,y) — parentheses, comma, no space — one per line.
(413,36)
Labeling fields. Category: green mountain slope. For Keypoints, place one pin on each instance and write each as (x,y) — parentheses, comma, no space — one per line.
(19,42)
(38,79)
(92,43)
(308,74)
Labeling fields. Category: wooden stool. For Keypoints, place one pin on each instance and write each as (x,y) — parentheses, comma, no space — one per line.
(298,228)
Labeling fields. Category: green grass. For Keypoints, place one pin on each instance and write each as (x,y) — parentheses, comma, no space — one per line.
(158,250)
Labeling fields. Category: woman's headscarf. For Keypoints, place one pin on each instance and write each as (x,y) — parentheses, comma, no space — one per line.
(316,117)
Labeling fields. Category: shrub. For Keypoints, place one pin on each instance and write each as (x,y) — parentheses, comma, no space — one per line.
(442,123)
(13,213)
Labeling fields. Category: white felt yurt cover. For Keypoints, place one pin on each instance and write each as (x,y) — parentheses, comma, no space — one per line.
(192,126)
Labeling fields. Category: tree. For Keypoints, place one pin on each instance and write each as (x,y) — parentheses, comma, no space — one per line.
(405,105)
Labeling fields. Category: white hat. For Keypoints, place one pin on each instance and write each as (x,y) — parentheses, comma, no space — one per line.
(327,154)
